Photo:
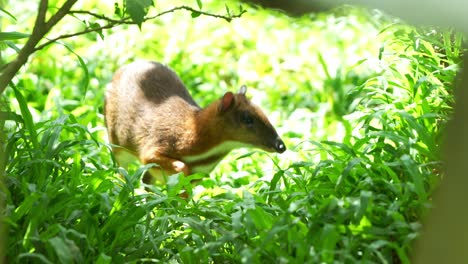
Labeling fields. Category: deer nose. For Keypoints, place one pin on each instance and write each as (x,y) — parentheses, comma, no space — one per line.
(279,145)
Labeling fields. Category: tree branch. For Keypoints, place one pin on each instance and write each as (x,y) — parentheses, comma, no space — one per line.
(86,31)
(127,21)
(182,7)
(61,13)
(102,17)
(41,15)
(188,8)
(41,28)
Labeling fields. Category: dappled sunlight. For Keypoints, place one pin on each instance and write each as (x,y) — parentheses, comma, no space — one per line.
(359,98)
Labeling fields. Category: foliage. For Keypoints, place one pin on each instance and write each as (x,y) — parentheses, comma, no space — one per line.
(133,12)
(360,100)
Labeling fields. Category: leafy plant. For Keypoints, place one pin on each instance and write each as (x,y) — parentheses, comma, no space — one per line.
(133,12)
(363,116)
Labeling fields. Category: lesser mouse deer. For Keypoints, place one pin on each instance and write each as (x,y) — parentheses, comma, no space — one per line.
(150,114)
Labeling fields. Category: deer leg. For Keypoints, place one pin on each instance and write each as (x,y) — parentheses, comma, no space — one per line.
(167,167)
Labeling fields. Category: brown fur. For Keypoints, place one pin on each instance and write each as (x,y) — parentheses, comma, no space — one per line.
(150,113)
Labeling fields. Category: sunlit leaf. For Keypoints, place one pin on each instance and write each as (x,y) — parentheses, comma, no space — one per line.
(12,35)
(137,9)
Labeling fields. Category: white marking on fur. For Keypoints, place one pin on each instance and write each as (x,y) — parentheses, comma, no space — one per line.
(222,148)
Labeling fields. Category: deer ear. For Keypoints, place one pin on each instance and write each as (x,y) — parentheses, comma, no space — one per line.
(226,102)
(243,90)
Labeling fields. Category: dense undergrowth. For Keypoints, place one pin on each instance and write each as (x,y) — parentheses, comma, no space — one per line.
(360,99)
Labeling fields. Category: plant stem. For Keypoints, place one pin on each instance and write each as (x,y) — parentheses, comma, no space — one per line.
(127,21)
(41,28)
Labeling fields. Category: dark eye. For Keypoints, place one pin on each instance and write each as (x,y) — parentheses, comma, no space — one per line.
(247,118)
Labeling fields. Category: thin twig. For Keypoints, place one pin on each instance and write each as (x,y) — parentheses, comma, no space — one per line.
(127,21)
(98,16)
(188,8)
(86,31)
(41,27)
(183,7)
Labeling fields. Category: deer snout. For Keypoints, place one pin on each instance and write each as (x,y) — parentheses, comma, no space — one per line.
(279,145)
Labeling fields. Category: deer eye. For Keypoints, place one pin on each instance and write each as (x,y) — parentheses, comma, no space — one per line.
(247,118)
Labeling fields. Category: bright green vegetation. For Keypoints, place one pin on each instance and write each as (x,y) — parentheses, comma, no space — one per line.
(360,101)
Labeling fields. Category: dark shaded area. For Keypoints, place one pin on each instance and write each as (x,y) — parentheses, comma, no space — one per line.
(446,229)
(292,7)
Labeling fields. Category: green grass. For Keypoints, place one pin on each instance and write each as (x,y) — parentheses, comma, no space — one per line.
(360,99)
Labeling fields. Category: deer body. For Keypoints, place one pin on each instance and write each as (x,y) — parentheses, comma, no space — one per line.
(150,114)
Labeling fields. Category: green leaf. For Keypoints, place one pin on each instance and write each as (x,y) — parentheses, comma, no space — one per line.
(96,27)
(10,116)
(104,259)
(85,81)
(273,184)
(195,14)
(236,221)
(363,204)
(199,3)
(137,9)
(13,46)
(62,250)
(416,176)
(29,258)
(8,13)
(25,207)
(329,237)
(342,146)
(27,117)
(246,155)
(346,171)
(117,10)
(261,219)
(13,35)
